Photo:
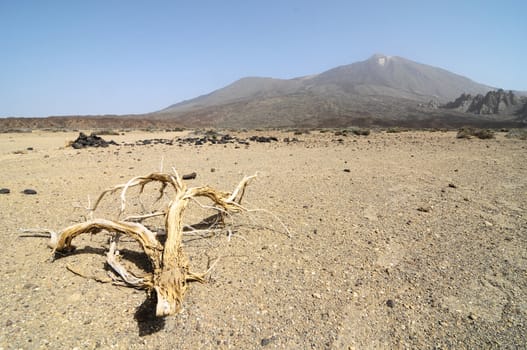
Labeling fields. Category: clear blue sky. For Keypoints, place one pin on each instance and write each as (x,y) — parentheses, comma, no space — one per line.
(120,57)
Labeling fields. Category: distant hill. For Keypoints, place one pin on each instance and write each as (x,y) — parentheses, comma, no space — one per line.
(380,90)
(14,124)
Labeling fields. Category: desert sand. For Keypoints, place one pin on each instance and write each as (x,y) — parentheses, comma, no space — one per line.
(398,240)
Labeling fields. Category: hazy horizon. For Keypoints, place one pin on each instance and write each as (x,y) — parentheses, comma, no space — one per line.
(132,57)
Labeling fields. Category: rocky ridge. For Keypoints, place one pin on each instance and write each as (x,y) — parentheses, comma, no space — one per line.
(493,102)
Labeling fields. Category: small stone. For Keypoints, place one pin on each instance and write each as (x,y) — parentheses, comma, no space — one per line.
(488,224)
(390,303)
(347,170)
(5,190)
(29,191)
(424,209)
(451,185)
(267,341)
(317,296)
(190,176)
(30,286)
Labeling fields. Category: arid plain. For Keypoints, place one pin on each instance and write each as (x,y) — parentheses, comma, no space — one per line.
(398,240)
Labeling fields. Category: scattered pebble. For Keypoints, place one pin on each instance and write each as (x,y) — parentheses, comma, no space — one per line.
(390,303)
(267,341)
(451,185)
(347,170)
(190,176)
(210,138)
(156,141)
(424,209)
(5,190)
(29,191)
(263,138)
(30,286)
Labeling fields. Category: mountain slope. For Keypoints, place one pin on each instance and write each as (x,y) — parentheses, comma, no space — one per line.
(245,88)
(382,89)
(398,77)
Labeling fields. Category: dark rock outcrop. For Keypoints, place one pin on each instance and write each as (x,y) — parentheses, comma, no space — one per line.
(90,141)
(494,102)
(522,114)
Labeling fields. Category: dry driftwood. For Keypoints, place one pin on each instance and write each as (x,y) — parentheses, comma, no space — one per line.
(171,271)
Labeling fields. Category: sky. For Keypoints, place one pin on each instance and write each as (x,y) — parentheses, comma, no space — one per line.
(76,57)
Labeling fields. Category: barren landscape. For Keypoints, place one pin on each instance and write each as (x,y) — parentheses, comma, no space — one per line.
(411,240)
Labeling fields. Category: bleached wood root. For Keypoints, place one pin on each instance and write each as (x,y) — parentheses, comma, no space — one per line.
(112,259)
(171,272)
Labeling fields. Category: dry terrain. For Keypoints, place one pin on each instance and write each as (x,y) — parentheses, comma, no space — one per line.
(411,240)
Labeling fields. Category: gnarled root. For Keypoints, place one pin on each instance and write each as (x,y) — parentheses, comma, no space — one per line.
(169,261)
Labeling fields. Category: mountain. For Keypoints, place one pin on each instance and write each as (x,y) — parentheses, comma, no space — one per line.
(398,77)
(379,75)
(380,90)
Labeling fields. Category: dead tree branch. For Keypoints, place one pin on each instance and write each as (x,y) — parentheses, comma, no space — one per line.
(171,270)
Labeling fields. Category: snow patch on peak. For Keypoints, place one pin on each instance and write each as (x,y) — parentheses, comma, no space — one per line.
(382,59)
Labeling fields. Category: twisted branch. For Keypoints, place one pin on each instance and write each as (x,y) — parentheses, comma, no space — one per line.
(171,272)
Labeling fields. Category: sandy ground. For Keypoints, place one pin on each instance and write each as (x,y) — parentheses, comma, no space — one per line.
(420,243)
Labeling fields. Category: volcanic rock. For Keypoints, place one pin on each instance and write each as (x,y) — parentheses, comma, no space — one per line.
(93,140)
